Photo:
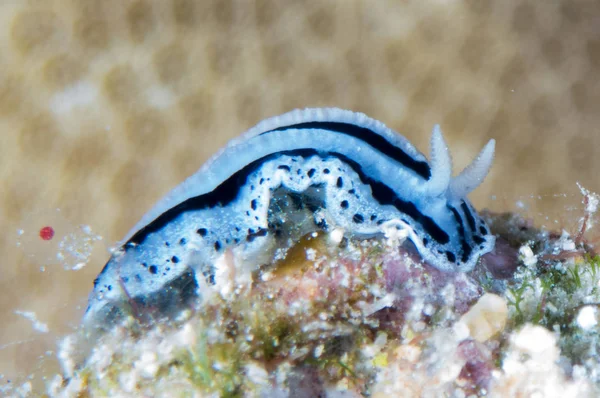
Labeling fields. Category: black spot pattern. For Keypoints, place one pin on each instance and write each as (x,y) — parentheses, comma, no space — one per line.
(478,239)
(358,218)
(253,235)
(465,247)
(467,211)
(228,191)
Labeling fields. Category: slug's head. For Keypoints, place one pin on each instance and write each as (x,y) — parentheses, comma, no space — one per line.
(462,236)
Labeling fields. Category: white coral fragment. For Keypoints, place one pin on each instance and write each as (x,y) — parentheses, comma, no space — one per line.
(526,255)
(586,319)
(530,368)
(487,317)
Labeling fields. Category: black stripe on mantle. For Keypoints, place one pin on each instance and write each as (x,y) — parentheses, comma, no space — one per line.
(369,137)
(229,189)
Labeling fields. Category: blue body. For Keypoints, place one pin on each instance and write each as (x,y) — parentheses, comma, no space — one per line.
(307,170)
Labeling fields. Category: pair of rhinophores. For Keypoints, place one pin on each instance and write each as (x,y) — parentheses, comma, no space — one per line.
(306,170)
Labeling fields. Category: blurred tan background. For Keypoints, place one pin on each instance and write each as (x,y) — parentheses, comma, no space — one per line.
(107,104)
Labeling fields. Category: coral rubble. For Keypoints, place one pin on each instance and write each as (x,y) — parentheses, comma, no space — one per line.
(347,318)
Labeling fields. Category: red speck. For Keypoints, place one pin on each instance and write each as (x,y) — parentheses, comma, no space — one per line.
(47,233)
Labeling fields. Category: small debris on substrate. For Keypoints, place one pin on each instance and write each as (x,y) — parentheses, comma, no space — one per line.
(369,319)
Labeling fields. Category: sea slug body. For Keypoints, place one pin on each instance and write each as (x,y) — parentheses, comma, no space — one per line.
(306,170)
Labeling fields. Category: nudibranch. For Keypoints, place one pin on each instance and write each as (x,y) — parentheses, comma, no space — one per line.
(306,170)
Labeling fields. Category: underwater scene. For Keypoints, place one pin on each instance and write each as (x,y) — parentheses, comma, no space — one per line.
(260,198)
